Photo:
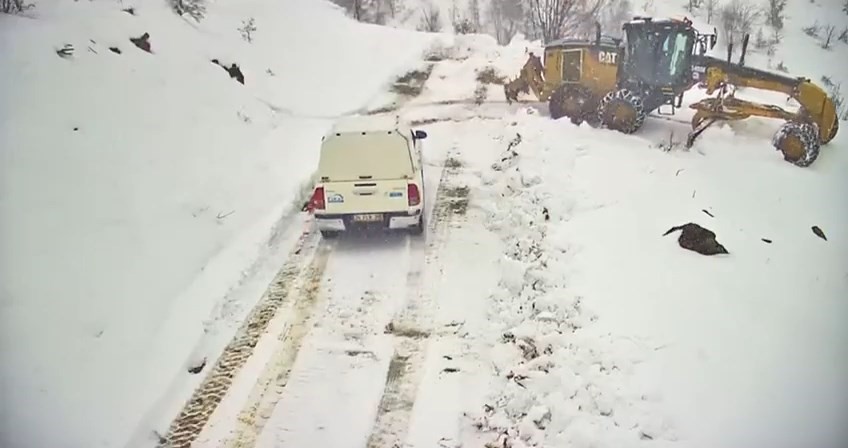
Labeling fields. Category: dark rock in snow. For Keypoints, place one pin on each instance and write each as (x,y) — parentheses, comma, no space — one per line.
(115,50)
(698,239)
(233,70)
(195,369)
(819,232)
(142,42)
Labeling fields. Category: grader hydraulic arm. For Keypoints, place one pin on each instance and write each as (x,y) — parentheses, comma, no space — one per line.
(530,78)
(814,123)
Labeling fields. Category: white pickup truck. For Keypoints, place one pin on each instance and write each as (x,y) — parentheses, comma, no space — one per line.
(370,174)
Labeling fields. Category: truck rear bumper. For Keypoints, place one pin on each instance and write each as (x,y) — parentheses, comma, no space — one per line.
(392,221)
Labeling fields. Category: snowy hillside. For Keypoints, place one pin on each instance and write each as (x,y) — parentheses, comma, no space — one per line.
(158,279)
(139,189)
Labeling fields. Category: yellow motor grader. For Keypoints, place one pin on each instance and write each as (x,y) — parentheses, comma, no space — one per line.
(616,83)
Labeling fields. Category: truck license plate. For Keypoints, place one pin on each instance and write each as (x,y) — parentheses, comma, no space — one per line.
(372,217)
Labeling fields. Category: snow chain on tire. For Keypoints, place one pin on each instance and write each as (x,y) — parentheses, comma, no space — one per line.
(807,134)
(626,98)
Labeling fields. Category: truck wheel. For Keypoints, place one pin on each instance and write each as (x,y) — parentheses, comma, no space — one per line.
(418,229)
(571,102)
(799,143)
(622,110)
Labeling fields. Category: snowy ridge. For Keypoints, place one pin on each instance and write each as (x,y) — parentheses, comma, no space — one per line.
(556,386)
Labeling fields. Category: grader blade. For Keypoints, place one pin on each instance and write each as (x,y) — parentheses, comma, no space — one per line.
(698,129)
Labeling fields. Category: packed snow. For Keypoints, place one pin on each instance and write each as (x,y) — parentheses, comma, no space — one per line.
(148,199)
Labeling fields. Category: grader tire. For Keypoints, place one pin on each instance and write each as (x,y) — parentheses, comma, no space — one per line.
(622,110)
(799,143)
(571,102)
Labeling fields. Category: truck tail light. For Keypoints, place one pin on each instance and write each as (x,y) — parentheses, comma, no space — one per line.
(413,194)
(317,201)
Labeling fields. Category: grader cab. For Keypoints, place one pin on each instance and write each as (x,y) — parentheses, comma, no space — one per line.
(616,83)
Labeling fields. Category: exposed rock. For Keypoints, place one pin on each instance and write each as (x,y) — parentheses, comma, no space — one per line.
(819,232)
(698,239)
(142,42)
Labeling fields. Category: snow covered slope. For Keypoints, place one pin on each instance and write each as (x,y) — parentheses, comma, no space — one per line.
(146,201)
(138,189)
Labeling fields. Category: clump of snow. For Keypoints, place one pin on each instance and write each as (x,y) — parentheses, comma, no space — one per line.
(556,387)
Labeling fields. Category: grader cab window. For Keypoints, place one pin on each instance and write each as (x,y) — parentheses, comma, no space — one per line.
(659,56)
(572,66)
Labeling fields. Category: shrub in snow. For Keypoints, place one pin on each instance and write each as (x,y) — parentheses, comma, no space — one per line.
(196,9)
(439,51)
(828,36)
(14,6)
(247,28)
(480,94)
(812,30)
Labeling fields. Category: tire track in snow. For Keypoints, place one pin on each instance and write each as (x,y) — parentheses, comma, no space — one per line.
(413,326)
(196,412)
(268,388)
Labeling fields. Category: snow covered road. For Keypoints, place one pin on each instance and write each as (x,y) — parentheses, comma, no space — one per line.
(356,317)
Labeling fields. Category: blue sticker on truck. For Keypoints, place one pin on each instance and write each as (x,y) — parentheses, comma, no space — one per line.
(395,194)
(335,198)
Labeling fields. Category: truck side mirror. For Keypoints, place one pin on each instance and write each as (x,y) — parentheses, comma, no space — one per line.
(420,135)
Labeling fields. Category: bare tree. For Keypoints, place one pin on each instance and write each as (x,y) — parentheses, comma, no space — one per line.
(692,5)
(196,9)
(774,13)
(710,6)
(474,13)
(393,7)
(506,17)
(431,20)
(370,11)
(553,19)
(737,19)
(613,15)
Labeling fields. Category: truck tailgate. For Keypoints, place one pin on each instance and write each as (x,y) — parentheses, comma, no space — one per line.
(366,196)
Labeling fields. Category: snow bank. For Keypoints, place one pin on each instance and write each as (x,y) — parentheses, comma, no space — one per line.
(139,188)
(612,335)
